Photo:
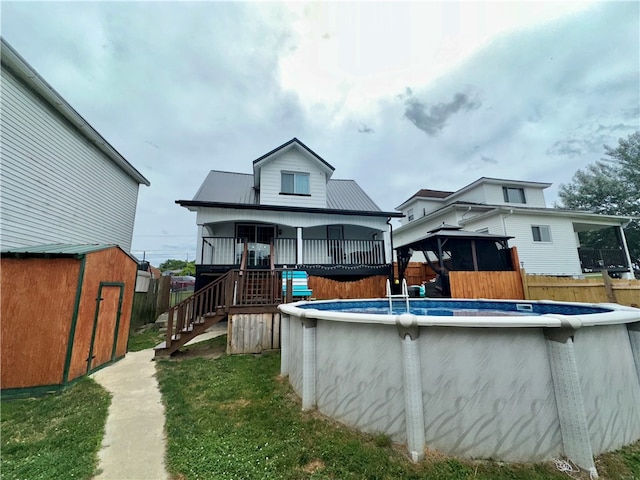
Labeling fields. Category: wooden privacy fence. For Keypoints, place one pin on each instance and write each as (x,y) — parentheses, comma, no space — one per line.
(590,290)
(326,289)
(502,285)
(148,305)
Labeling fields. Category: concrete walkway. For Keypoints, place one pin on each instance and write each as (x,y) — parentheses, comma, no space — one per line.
(134,443)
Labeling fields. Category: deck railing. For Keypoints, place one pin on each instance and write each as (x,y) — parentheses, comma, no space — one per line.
(233,291)
(228,251)
(342,252)
(596,259)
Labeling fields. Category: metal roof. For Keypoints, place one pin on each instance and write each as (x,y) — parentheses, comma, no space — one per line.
(236,189)
(227,187)
(60,250)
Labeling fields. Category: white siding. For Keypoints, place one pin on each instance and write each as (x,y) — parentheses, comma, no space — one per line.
(293,219)
(421,207)
(558,257)
(293,161)
(533,196)
(57,187)
(493,224)
(475,195)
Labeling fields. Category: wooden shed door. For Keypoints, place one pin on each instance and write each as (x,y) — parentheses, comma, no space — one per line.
(106,324)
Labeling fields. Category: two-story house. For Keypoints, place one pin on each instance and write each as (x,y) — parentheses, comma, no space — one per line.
(289,213)
(61,181)
(546,238)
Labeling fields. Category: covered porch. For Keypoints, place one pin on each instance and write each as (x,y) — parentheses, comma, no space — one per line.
(603,247)
(329,249)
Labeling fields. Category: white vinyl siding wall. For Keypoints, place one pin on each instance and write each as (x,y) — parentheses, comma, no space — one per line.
(558,257)
(292,161)
(494,195)
(57,187)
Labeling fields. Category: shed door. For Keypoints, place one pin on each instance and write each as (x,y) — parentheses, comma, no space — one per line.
(106,325)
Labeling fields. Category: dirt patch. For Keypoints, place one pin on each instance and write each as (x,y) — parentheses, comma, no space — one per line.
(235,404)
(204,351)
(313,466)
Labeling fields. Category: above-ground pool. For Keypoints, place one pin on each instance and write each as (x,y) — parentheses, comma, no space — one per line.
(509,380)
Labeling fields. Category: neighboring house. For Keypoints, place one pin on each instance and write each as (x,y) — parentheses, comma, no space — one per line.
(546,238)
(289,213)
(60,182)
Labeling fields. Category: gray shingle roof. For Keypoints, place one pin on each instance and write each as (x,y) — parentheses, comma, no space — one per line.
(237,188)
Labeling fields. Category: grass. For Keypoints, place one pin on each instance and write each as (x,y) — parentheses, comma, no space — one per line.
(233,418)
(141,340)
(57,436)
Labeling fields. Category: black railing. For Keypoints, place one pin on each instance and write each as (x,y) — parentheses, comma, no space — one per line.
(597,259)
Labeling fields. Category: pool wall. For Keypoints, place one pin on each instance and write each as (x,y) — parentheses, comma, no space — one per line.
(514,394)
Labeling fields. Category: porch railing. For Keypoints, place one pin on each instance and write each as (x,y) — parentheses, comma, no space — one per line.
(228,251)
(222,250)
(285,251)
(596,259)
(343,252)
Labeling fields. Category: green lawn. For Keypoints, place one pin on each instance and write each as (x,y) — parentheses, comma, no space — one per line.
(143,340)
(232,418)
(56,436)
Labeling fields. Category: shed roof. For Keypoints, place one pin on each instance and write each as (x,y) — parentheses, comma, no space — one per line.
(60,250)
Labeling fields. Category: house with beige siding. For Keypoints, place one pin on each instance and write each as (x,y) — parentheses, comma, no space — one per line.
(60,181)
(547,239)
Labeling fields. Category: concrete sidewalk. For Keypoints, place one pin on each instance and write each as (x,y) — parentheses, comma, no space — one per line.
(134,443)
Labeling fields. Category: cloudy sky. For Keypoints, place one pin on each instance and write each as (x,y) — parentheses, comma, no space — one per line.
(398,96)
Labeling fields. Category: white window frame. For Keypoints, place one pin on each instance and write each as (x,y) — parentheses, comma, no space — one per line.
(507,191)
(296,176)
(541,235)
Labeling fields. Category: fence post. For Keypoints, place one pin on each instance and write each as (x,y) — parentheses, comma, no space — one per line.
(611,296)
(164,291)
(525,283)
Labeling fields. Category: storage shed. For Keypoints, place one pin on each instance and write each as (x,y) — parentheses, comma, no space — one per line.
(66,311)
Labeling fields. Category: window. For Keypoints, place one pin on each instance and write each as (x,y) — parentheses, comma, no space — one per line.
(541,233)
(410,214)
(483,230)
(295,183)
(513,195)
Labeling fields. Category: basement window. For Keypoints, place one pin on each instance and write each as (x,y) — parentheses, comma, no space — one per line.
(294,183)
(541,233)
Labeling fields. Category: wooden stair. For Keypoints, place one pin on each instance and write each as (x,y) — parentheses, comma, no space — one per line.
(237,291)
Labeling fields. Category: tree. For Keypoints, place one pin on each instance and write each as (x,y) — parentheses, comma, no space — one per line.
(173,264)
(610,186)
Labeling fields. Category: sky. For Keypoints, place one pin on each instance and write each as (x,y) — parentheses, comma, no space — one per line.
(397,96)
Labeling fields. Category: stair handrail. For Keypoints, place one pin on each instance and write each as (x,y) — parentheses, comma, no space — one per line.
(189,309)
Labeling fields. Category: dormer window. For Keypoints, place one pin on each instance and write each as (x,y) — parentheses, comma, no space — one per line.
(295,183)
(513,195)
(410,214)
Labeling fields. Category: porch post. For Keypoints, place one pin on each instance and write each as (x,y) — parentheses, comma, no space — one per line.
(627,275)
(386,237)
(299,245)
(199,245)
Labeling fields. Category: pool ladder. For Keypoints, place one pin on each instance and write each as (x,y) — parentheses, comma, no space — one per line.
(404,294)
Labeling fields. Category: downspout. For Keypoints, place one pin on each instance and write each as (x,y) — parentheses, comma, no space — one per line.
(504,226)
(462,217)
